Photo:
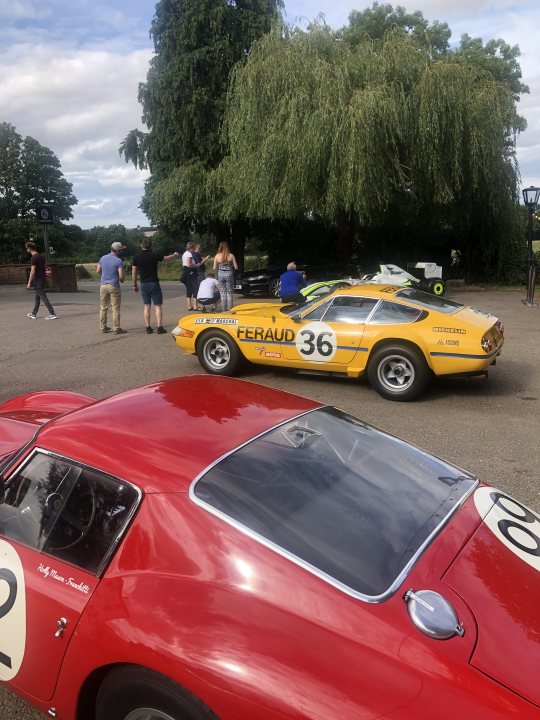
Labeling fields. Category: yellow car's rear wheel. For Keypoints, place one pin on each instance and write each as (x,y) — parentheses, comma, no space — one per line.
(218,353)
(398,372)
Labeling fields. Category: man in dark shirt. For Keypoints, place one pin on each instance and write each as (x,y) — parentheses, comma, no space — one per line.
(38,280)
(146,262)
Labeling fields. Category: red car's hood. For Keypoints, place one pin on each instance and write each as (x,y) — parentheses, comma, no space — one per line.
(498,575)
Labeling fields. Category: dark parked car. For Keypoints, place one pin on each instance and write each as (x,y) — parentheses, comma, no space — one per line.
(265,281)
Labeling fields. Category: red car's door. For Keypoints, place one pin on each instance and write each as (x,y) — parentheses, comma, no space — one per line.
(41,600)
(59,524)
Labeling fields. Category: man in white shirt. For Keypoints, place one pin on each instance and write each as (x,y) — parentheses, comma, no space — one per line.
(208,294)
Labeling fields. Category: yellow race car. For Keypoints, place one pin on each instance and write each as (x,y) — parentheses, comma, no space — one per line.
(399,336)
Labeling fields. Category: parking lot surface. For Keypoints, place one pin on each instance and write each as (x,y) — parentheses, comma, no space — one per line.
(490,427)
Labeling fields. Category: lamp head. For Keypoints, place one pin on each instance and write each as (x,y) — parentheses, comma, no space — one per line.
(530,196)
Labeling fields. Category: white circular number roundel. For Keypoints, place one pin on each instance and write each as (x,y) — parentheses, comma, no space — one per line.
(316,342)
(515,525)
(12,612)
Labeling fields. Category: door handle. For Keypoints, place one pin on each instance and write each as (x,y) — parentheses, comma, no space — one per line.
(61,625)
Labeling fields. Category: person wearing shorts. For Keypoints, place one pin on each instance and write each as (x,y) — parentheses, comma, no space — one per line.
(146,263)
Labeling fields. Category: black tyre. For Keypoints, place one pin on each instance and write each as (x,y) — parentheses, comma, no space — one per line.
(131,693)
(437,287)
(398,372)
(218,353)
(273,287)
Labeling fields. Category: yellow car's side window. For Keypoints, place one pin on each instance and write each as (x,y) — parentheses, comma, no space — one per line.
(390,313)
(350,310)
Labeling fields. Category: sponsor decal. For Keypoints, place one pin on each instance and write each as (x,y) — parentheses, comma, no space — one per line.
(216,321)
(50,572)
(267,335)
(316,342)
(448,342)
(457,331)
(516,526)
(12,612)
(263,352)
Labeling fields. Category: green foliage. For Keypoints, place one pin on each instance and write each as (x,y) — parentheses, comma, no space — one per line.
(378,139)
(359,133)
(197,42)
(30,175)
(374,22)
(496,57)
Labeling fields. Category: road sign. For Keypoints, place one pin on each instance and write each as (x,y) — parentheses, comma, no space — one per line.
(44,214)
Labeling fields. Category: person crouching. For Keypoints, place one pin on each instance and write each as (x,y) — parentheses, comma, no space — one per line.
(208,293)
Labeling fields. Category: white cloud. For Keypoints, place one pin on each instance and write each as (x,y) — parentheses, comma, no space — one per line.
(20,10)
(80,104)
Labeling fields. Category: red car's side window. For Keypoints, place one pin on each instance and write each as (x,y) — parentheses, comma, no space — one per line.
(66,510)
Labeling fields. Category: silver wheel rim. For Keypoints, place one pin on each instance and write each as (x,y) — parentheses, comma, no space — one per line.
(275,284)
(148,714)
(216,353)
(396,373)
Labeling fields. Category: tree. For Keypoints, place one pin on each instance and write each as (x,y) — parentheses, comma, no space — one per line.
(375,134)
(29,176)
(196,42)
(374,22)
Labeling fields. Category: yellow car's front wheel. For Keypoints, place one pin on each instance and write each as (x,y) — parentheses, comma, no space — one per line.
(218,354)
(398,372)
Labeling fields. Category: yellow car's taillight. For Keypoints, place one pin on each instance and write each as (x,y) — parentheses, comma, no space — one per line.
(487,344)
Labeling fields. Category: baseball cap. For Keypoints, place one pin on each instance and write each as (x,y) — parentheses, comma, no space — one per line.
(117,246)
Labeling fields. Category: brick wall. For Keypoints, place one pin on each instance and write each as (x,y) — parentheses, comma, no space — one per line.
(61,277)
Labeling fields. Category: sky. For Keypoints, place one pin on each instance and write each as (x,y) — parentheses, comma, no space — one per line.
(70,70)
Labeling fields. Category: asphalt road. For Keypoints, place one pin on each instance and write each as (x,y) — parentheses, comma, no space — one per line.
(490,427)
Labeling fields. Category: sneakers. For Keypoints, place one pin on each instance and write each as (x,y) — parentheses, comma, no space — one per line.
(119,331)
(161,330)
(52,316)
(31,316)
(105,329)
(150,330)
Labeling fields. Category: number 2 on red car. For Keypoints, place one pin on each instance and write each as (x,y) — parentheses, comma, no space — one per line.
(12,612)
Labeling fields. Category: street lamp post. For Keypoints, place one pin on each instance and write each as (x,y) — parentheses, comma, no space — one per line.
(530,197)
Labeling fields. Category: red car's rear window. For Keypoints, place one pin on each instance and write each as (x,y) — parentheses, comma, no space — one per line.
(342,499)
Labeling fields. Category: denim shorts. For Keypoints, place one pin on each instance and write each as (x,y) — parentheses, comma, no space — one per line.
(151,293)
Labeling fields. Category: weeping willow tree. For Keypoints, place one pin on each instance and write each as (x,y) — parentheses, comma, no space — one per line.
(359,133)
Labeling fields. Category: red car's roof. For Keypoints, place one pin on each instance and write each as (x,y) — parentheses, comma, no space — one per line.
(161,436)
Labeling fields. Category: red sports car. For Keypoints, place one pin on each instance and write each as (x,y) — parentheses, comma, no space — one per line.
(206,548)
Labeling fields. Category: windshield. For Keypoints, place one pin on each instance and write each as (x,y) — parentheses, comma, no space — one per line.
(346,501)
(431,302)
(299,308)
